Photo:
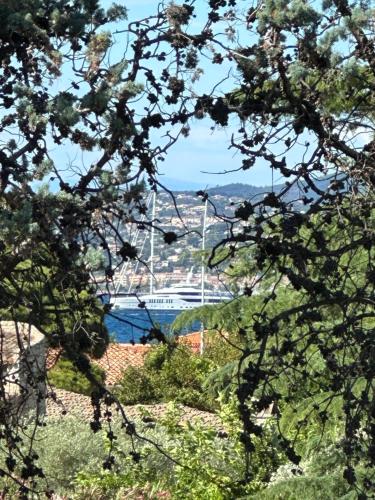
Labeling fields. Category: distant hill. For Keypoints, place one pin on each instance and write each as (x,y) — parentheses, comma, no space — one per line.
(240,190)
(247,191)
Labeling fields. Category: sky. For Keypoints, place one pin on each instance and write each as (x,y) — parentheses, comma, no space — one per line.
(201,159)
(204,158)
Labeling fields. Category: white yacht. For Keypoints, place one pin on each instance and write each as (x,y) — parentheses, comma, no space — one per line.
(175,297)
(180,296)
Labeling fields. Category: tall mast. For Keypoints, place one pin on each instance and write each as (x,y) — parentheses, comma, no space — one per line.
(125,265)
(203,249)
(203,271)
(152,244)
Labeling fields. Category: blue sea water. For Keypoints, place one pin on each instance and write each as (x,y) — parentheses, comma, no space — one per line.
(129,325)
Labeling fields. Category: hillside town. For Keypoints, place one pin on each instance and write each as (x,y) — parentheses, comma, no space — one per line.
(179,262)
(182,212)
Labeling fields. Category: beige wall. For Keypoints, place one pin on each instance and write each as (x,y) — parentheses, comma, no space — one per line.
(23,381)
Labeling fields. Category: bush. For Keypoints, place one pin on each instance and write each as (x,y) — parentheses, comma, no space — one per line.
(198,462)
(321,476)
(64,447)
(203,466)
(327,487)
(136,387)
(170,373)
(64,375)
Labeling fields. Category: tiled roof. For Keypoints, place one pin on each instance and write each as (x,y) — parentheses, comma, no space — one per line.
(118,357)
(193,340)
(69,403)
(16,337)
(114,362)
(61,403)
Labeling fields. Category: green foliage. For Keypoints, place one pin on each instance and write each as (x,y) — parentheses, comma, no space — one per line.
(209,469)
(169,373)
(203,464)
(64,375)
(311,409)
(64,447)
(321,476)
(64,105)
(332,486)
(136,387)
(198,462)
(208,466)
(63,306)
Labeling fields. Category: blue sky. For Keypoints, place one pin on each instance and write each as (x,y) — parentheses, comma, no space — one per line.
(197,158)
(201,159)
(195,162)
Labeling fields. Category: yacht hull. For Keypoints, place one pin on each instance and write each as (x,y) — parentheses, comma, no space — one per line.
(179,301)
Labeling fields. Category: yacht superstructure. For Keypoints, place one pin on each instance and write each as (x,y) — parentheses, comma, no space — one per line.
(180,296)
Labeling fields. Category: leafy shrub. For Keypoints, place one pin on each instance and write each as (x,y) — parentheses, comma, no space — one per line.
(321,476)
(64,447)
(169,373)
(326,487)
(64,375)
(198,462)
(136,387)
(204,464)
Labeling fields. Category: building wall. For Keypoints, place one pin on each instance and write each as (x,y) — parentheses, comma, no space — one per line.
(25,385)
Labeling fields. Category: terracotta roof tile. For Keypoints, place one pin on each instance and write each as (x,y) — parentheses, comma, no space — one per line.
(61,403)
(193,340)
(114,362)
(118,357)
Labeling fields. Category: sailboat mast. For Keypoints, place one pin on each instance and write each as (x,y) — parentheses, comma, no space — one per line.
(152,244)
(203,249)
(203,272)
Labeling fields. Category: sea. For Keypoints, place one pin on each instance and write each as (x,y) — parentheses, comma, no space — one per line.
(129,325)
